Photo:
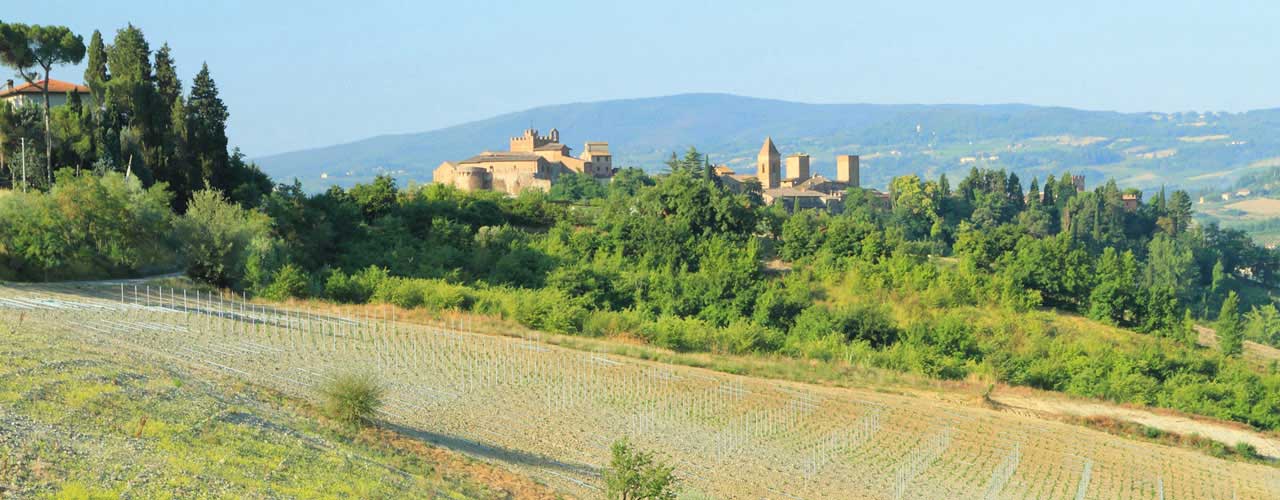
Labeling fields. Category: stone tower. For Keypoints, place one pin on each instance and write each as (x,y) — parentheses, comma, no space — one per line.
(798,167)
(769,165)
(847,170)
(530,140)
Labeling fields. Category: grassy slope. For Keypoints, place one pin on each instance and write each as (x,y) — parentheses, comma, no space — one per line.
(82,421)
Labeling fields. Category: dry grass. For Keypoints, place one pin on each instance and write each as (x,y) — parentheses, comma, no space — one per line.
(1260,207)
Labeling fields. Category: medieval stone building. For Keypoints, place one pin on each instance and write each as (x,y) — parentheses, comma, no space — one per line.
(798,189)
(532,161)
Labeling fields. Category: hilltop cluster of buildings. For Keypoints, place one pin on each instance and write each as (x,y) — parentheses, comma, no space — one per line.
(537,161)
(794,187)
(532,161)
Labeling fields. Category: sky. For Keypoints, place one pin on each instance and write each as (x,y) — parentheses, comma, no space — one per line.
(299,75)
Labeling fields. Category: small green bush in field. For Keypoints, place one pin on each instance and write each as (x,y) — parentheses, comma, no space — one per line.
(352,398)
(633,474)
(288,281)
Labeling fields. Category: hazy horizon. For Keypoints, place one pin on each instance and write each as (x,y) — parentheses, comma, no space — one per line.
(436,66)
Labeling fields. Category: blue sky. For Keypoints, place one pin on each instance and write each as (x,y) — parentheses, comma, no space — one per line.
(306,74)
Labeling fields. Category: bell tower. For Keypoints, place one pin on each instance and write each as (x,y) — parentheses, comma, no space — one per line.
(769,165)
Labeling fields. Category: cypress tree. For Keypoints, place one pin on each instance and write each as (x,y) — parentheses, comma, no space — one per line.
(185,179)
(1050,192)
(168,86)
(164,155)
(1230,329)
(207,131)
(95,73)
(1013,190)
(129,60)
(133,92)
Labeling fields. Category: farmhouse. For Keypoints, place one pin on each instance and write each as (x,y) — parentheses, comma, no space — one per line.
(532,161)
(1131,201)
(29,93)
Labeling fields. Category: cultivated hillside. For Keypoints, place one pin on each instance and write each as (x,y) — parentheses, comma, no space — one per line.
(84,416)
(1140,149)
(522,403)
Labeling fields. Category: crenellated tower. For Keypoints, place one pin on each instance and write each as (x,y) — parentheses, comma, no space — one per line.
(530,140)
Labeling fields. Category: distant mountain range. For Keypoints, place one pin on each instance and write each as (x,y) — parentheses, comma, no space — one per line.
(1145,150)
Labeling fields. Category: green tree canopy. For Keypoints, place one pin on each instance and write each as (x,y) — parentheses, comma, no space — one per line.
(32,49)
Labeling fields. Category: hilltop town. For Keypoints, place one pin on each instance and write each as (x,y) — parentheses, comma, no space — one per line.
(535,161)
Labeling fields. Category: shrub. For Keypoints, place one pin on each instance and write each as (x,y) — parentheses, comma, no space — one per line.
(402,292)
(288,281)
(433,294)
(857,322)
(742,337)
(610,323)
(216,235)
(1246,450)
(634,474)
(438,295)
(549,309)
(86,226)
(678,334)
(352,398)
(264,257)
(499,302)
(356,288)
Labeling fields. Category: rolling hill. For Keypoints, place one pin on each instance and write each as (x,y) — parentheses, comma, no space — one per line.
(1144,150)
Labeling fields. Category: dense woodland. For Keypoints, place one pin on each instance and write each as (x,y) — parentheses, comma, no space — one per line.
(138,120)
(972,280)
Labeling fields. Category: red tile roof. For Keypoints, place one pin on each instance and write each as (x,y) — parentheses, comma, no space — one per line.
(55,87)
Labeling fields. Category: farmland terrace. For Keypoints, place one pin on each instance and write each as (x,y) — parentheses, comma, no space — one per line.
(552,412)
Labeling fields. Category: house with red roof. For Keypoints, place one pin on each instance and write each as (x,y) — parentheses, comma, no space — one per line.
(21,95)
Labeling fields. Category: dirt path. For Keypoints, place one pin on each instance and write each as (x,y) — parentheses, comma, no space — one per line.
(1209,338)
(1226,433)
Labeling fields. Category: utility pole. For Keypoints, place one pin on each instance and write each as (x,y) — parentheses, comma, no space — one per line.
(24,164)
